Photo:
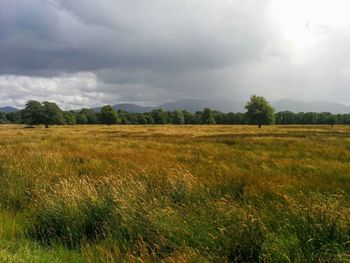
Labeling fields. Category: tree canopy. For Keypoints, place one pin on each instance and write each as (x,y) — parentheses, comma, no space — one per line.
(52,114)
(259,111)
(46,113)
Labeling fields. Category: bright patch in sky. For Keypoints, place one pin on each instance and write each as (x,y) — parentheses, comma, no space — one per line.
(304,23)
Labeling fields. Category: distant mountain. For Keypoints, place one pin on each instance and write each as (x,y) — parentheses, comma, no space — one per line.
(190,105)
(198,105)
(8,109)
(129,107)
(315,106)
(133,107)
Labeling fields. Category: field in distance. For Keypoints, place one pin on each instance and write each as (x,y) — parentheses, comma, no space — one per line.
(175,194)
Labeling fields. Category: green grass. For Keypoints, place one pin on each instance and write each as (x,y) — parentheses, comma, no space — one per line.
(175,194)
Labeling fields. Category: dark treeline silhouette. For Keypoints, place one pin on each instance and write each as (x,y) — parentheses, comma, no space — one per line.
(259,112)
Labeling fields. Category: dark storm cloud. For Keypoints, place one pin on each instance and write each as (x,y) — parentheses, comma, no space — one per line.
(43,37)
(145,50)
(87,52)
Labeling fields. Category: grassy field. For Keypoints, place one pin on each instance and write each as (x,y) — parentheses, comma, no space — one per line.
(175,194)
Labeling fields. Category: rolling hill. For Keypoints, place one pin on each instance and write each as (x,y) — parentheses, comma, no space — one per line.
(8,109)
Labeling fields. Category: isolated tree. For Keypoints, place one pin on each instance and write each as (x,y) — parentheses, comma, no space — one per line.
(33,113)
(108,115)
(208,116)
(52,114)
(259,111)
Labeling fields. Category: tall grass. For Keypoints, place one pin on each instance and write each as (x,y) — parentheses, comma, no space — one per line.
(175,194)
(71,213)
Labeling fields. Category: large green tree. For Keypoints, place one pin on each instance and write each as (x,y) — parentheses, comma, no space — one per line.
(47,113)
(259,111)
(52,114)
(33,113)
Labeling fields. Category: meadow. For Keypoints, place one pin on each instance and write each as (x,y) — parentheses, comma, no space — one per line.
(175,194)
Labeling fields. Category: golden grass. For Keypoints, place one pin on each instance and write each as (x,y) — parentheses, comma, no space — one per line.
(176,193)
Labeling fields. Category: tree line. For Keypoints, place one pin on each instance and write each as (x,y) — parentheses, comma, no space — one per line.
(259,112)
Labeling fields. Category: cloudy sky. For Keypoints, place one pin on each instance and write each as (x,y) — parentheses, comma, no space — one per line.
(87,53)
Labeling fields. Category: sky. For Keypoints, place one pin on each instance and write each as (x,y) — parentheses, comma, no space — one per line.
(87,53)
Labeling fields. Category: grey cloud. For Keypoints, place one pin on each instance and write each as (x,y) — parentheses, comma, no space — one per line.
(70,36)
(87,52)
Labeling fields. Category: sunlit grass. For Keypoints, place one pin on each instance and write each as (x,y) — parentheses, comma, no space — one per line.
(175,194)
